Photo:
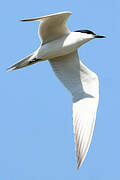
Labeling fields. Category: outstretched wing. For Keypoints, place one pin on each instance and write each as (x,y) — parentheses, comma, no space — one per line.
(84,86)
(52,26)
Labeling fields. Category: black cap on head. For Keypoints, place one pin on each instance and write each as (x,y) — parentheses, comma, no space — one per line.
(85,31)
(90,32)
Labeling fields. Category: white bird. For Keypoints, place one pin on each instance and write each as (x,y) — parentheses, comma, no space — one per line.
(59,46)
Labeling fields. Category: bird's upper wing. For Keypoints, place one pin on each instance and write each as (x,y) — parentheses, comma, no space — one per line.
(52,26)
(84,86)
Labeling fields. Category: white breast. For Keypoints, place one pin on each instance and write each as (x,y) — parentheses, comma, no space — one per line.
(61,46)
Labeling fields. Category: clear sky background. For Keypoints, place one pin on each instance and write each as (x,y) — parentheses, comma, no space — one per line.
(36,132)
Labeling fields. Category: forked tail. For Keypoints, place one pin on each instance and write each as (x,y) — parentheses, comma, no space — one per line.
(27,61)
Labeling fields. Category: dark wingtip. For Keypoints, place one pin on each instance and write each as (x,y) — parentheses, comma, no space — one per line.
(31,19)
(23,20)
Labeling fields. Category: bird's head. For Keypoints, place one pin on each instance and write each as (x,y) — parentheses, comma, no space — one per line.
(88,35)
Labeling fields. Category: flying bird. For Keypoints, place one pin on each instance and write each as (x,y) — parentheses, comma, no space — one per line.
(60,47)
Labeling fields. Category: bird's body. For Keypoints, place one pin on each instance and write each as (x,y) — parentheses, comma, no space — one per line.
(59,46)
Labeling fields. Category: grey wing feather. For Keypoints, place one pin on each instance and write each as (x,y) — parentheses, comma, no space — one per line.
(84,86)
(52,26)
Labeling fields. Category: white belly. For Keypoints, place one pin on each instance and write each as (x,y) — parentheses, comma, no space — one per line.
(60,47)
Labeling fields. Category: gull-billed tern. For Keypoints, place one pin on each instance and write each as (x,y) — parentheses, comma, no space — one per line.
(60,47)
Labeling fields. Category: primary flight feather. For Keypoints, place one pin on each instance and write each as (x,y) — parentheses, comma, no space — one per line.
(59,45)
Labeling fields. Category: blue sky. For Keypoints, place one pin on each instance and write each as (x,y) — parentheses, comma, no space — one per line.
(36,132)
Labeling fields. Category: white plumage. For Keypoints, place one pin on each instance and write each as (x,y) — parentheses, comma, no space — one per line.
(84,87)
(59,46)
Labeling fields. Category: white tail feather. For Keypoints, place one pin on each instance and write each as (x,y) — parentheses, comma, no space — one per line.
(22,63)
